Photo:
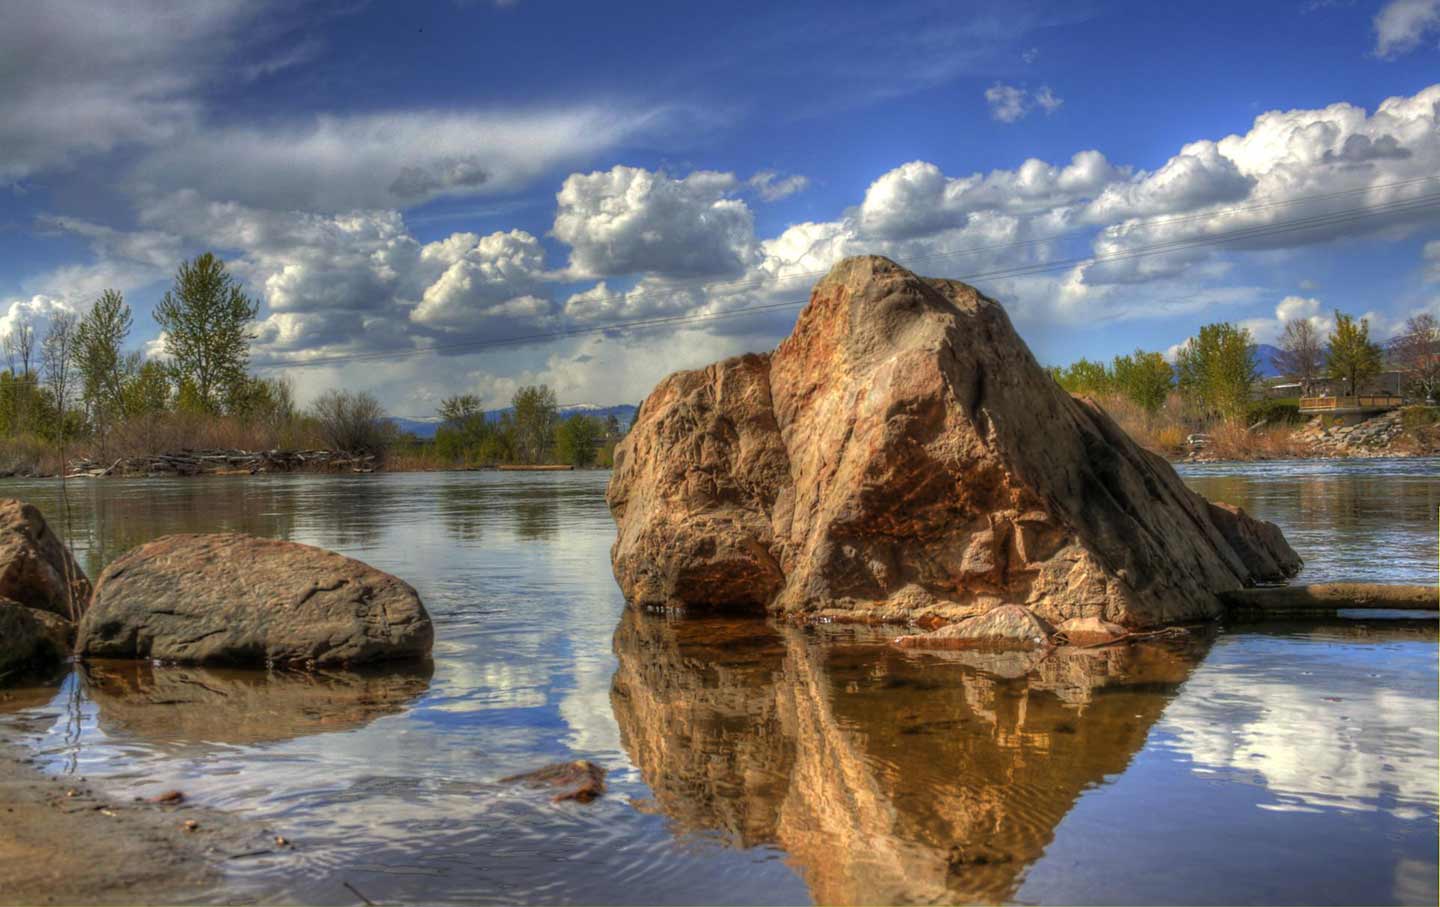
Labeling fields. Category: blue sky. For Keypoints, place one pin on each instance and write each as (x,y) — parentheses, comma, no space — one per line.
(402,185)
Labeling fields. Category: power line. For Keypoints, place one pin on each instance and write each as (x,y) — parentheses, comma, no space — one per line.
(1404,206)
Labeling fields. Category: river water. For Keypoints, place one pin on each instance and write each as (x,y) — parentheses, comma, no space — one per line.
(751,763)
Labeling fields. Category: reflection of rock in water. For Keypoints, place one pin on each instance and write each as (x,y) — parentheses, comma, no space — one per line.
(887,776)
(214,705)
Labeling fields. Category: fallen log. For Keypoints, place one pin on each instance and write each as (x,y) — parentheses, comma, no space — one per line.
(1331,597)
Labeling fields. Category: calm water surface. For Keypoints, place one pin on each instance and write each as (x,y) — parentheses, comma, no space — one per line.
(758,764)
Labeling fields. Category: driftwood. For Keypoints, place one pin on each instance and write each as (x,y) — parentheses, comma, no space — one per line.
(1331,597)
(224,462)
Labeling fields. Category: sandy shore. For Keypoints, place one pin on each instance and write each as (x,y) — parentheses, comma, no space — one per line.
(64,842)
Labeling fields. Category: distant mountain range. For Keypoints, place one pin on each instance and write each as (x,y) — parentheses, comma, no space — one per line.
(426,427)
(1269,357)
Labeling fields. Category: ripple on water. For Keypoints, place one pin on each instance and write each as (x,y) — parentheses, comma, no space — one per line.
(759,764)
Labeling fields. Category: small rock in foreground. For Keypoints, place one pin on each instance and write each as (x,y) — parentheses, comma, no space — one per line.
(584,780)
(228,598)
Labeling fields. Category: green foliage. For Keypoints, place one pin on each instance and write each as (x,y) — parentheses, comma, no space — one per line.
(206,319)
(147,390)
(264,401)
(534,413)
(1085,377)
(1352,356)
(1274,412)
(99,358)
(1144,378)
(1216,370)
(576,439)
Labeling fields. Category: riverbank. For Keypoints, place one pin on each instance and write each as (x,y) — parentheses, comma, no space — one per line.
(62,841)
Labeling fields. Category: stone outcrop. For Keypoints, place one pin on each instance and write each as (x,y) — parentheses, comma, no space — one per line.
(36,569)
(902,456)
(228,598)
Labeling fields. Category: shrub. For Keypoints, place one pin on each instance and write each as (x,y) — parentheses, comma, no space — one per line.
(352,421)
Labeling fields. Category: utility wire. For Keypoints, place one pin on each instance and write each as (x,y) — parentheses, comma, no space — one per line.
(1345,216)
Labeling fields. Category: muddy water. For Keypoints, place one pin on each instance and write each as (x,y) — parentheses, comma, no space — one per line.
(759,764)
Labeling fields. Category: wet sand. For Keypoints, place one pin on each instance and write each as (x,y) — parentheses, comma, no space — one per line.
(64,842)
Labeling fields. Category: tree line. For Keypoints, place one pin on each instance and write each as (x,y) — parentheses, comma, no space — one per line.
(530,432)
(1215,373)
(80,382)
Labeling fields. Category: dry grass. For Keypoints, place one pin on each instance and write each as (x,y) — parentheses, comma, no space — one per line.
(1230,441)
(1164,432)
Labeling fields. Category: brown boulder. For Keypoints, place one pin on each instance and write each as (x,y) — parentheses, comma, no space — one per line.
(30,639)
(902,456)
(36,568)
(581,780)
(228,598)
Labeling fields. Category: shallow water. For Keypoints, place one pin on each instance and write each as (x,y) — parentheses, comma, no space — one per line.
(759,764)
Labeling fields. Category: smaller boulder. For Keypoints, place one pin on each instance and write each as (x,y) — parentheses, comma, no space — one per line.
(581,780)
(36,568)
(1005,627)
(228,598)
(1090,631)
(30,639)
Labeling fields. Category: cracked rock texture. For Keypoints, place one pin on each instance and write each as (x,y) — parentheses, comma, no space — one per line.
(229,598)
(902,456)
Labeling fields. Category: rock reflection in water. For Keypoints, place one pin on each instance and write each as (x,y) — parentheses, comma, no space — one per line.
(184,704)
(887,776)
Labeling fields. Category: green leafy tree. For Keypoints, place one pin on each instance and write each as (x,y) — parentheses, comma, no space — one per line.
(1217,369)
(1144,378)
(1352,356)
(576,439)
(99,357)
(1085,377)
(147,391)
(207,323)
(534,414)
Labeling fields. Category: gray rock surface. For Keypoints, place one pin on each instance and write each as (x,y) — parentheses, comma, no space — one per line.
(228,598)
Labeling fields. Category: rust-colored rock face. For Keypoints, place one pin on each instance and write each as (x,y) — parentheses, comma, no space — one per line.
(903,456)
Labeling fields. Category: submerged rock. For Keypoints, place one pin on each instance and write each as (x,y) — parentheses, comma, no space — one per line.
(1005,627)
(582,780)
(36,568)
(902,456)
(1089,631)
(228,598)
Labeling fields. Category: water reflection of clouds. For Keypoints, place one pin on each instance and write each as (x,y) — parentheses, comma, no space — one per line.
(1329,738)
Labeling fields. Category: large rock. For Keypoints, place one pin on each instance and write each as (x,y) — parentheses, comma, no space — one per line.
(903,456)
(228,598)
(36,568)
